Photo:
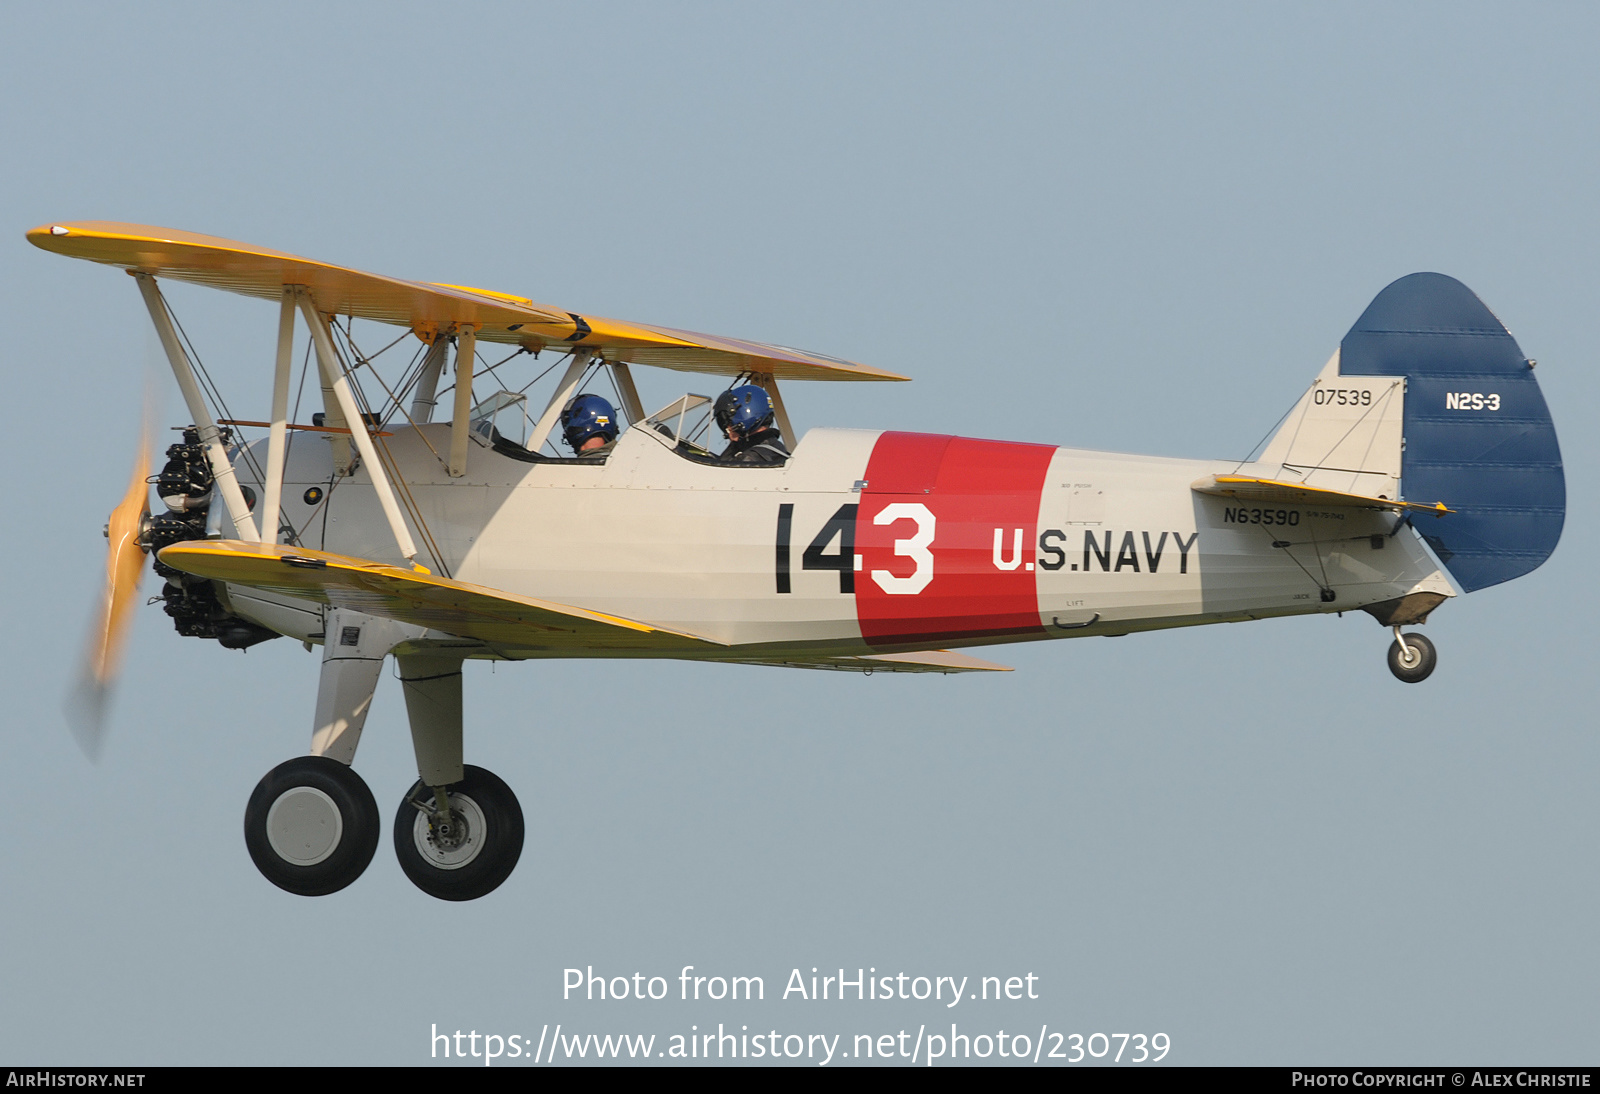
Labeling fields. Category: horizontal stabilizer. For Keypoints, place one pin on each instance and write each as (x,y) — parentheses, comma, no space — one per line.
(428,308)
(1279,492)
(423,599)
(944,661)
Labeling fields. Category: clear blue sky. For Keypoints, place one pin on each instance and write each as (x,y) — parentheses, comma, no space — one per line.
(1140,228)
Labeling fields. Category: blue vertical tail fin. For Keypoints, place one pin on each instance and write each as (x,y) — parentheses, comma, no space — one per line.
(1477,432)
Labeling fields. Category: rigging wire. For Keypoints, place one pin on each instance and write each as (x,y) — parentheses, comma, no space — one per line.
(1372,440)
(410,376)
(519,350)
(488,368)
(1318,548)
(501,381)
(561,359)
(386,458)
(391,467)
(1383,402)
(363,358)
(214,394)
(378,377)
(1248,456)
(524,388)
(1309,575)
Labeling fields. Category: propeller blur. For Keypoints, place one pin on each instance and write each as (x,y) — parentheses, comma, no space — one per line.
(126,556)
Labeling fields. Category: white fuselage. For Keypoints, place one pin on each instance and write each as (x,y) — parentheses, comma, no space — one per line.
(951,542)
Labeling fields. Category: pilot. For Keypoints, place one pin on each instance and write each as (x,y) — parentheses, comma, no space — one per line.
(589,424)
(744,414)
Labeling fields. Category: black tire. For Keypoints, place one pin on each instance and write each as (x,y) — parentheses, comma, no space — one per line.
(487,851)
(1419,666)
(286,826)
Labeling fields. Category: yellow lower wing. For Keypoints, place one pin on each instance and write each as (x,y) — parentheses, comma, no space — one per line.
(944,661)
(1278,492)
(410,596)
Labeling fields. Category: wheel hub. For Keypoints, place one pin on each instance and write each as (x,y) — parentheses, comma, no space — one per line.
(450,845)
(448,836)
(304,826)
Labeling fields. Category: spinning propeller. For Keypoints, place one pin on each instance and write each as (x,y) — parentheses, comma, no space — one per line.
(125,564)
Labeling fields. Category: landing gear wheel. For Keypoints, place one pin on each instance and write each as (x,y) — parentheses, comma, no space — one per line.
(1416,662)
(475,851)
(311,826)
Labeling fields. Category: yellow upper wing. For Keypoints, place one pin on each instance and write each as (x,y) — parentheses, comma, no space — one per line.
(428,308)
(456,607)
(1278,492)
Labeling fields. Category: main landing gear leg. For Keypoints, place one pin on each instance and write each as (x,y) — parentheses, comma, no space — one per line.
(312,824)
(458,833)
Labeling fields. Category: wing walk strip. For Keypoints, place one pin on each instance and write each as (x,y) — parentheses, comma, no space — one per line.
(1278,492)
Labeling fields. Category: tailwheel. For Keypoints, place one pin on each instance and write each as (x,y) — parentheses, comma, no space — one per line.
(1411,657)
(467,851)
(311,826)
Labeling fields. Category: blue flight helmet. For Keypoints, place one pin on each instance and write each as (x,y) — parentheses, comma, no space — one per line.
(588,416)
(747,408)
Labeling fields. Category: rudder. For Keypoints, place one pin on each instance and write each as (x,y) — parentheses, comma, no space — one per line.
(1477,433)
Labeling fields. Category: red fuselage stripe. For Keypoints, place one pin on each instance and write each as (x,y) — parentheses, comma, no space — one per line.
(946,537)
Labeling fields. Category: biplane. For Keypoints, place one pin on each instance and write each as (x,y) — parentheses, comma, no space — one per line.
(1420,463)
